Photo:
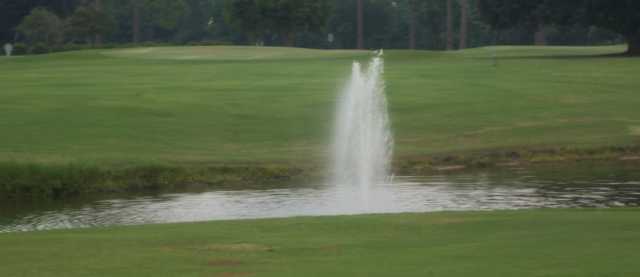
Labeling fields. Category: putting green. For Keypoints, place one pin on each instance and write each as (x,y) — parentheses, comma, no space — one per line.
(231,53)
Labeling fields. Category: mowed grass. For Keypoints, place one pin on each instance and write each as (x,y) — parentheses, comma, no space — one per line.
(209,105)
(510,243)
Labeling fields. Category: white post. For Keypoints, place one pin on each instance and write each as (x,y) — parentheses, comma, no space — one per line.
(330,39)
(8,48)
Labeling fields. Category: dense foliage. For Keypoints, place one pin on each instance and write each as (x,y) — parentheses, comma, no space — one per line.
(423,24)
(278,20)
(619,16)
(89,23)
(42,27)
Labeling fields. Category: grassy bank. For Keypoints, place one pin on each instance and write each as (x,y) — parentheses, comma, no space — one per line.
(63,181)
(519,243)
(202,107)
(55,181)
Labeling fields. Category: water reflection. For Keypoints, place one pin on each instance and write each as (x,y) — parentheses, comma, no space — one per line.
(517,189)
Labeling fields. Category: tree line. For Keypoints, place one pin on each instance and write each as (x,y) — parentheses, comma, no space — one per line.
(412,24)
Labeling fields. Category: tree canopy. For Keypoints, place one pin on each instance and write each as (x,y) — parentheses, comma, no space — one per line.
(42,27)
(282,18)
(620,16)
(420,24)
(88,22)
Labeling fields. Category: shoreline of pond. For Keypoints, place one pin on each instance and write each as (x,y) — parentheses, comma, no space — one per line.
(60,181)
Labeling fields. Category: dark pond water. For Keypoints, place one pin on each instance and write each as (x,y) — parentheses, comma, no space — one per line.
(551,187)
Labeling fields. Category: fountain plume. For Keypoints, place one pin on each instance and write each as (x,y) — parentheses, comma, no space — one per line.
(363,144)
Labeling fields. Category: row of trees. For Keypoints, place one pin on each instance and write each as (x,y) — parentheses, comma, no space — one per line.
(96,22)
(458,24)
(86,24)
(283,18)
(424,24)
(619,16)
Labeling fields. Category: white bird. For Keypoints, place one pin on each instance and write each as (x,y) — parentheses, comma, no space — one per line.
(379,53)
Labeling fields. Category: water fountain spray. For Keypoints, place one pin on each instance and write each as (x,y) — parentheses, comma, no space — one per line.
(363,143)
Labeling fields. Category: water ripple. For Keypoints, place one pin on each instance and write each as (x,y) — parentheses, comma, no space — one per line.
(520,190)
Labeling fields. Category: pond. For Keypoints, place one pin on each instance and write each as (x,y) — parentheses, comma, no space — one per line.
(583,186)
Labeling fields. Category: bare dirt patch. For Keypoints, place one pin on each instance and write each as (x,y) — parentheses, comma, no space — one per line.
(239,247)
(225,263)
(235,274)
(329,248)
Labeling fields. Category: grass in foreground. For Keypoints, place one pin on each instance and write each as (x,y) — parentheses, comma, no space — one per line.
(509,243)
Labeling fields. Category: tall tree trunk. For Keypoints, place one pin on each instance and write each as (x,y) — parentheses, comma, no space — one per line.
(633,47)
(412,24)
(360,18)
(464,23)
(290,39)
(449,24)
(98,39)
(540,37)
(135,21)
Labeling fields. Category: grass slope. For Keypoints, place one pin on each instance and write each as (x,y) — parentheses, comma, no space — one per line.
(157,118)
(522,243)
(246,104)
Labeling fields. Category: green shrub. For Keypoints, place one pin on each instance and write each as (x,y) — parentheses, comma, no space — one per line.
(40,48)
(20,49)
(155,44)
(109,46)
(42,26)
(208,43)
(72,47)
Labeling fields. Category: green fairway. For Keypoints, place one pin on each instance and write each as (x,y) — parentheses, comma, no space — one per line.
(522,243)
(206,105)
